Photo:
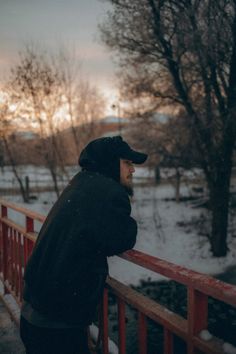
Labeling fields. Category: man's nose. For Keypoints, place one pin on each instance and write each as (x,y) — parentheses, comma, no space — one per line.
(132,169)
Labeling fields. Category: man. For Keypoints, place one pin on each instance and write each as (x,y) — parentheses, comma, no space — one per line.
(66,273)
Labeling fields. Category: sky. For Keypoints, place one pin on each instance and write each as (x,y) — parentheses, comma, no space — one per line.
(53,24)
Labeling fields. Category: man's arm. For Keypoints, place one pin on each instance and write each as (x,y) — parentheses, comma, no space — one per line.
(119,229)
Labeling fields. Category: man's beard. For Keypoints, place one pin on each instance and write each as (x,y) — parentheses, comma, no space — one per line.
(128,186)
(129,190)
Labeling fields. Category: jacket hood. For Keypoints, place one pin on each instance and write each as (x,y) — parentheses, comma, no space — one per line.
(98,156)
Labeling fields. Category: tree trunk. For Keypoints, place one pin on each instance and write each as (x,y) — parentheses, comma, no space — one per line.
(51,163)
(14,170)
(177,185)
(27,187)
(219,197)
(54,178)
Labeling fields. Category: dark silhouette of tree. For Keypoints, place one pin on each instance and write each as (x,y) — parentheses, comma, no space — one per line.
(182,54)
(169,144)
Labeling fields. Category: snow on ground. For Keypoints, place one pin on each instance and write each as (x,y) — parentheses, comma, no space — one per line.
(170,241)
(10,342)
(159,232)
(38,176)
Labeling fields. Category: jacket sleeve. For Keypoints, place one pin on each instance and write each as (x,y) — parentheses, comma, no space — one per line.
(119,229)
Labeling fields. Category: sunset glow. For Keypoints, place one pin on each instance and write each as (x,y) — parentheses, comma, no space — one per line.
(70,24)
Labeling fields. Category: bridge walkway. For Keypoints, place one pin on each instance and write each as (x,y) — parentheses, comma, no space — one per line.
(10,342)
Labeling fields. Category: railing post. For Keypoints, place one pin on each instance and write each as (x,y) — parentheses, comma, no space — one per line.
(11,256)
(14,261)
(21,263)
(4,247)
(27,249)
(17,263)
(142,333)
(105,322)
(121,325)
(29,224)
(197,316)
(28,244)
(168,342)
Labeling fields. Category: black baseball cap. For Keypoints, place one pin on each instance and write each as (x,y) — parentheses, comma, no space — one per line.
(125,152)
(103,154)
(102,151)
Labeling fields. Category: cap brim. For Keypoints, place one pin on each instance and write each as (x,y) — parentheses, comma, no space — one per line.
(136,157)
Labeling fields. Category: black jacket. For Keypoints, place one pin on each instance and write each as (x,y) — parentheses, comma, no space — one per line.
(66,272)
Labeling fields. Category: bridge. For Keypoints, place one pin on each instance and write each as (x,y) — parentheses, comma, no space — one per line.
(17,240)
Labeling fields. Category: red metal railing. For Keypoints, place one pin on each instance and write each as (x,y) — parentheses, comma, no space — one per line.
(16,244)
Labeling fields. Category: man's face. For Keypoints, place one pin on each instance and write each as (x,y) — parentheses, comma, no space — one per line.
(126,173)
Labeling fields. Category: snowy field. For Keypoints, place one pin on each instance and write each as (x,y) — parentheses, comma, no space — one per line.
(160,220)
(160,235)
(40,177)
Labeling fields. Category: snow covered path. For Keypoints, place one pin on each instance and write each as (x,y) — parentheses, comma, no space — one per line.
(10,342)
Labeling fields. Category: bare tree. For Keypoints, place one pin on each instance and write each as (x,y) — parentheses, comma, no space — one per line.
(70,70)
(183,54)
(168,142)
(83,102)
(8,123)
(51,98)
(35,82)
